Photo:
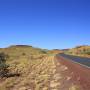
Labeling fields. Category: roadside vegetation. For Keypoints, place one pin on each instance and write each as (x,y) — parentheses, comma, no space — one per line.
(83,51)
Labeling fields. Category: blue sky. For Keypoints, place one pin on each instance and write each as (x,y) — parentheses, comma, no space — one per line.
(45,23)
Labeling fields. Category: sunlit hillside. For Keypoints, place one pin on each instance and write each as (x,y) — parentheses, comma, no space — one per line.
(29,68)
(80,51)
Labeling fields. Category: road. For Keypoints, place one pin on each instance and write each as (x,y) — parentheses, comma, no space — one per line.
(80,60)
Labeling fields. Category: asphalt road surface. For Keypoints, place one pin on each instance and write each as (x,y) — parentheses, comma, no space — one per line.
(80,60)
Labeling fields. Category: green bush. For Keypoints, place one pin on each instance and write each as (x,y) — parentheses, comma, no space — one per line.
(3,66)
(88,53)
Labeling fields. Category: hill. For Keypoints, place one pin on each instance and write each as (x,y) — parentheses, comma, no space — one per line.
(26,63)
(80,51)
(55,51)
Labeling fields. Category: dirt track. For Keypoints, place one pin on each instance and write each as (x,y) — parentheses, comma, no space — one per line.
(74,74)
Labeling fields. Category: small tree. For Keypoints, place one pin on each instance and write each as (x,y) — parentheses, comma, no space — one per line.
(23,54)
(3,66)
(44,51)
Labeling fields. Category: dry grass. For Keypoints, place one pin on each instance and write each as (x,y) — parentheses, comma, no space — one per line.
(83,51)
(35,74)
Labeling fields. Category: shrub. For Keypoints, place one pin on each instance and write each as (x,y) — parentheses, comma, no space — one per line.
(23,54)
(88,53)
(3,66)
(44,52)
